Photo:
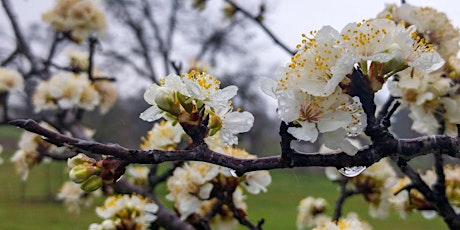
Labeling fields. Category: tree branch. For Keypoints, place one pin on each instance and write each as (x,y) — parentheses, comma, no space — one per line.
(261,25)
(10,57)
(344,194)
(404,148)
(139,35)
(22,46)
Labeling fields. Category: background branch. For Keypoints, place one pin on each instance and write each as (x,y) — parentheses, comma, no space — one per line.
(261,25)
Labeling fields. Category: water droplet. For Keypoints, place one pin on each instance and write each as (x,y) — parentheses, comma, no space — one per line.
(429,214)
(352,171)
(233,173)
(119,178)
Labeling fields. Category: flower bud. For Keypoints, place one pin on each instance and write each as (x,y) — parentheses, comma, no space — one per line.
(80,173)
(79,160)
(167,101)
(92,184)
(215,124)
(186,102)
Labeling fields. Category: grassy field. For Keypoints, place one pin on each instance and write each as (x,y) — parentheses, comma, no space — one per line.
(31,205)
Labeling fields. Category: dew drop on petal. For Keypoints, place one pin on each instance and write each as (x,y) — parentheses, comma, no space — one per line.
(352,171)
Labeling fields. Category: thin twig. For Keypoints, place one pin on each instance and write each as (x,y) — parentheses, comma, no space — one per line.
(58,37)
(384,110)
(92,46)
(10,57)
(257,20)
(344,194)
(385,122)
(140,37)
(22,46)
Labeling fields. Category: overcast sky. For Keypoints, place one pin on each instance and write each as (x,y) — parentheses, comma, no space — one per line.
(288,18)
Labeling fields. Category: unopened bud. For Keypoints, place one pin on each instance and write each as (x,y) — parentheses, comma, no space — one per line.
(79,160)
(167,101)
(186,102)
(80,173)
(92,184)
(215,124)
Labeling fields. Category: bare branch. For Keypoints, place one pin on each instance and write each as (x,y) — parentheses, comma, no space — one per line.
(92,46)
(22,46)
(344,194)
(261,25)
(58,37)
(124,59)
(140,37)
(440,203)
(9,58)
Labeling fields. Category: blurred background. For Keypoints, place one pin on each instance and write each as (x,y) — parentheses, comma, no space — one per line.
(143,39)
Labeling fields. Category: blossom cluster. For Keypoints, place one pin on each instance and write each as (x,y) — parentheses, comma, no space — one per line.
(74,197)
(383,189)
(196,187)
(164,135)
(74,90)
(409,200)
(312,89)
(32,150)
(350,222)
(194,97)
(79,18)
(432,97)
(311,214)
(10,81)
(126,212)
(376,184)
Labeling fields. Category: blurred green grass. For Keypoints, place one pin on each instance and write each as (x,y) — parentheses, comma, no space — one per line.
(32,205)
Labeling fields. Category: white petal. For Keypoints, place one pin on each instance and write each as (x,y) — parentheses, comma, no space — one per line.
(238,122)
(289,105)
(193,89)
(151,114)
(150,94)
(307,132)
(228,92)
(337,140)
(268,86)
(428,62)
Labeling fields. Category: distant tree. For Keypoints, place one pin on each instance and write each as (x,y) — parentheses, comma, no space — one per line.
(325,97)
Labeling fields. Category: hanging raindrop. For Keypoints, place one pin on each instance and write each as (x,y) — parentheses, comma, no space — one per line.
(352,171)
(233,173)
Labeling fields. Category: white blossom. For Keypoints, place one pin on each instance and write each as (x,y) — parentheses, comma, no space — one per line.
(10,80)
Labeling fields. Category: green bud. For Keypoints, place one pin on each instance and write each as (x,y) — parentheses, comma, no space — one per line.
(80,173)
(166,101)
(79,159)
(186,102)
(92,184)
(214,122)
